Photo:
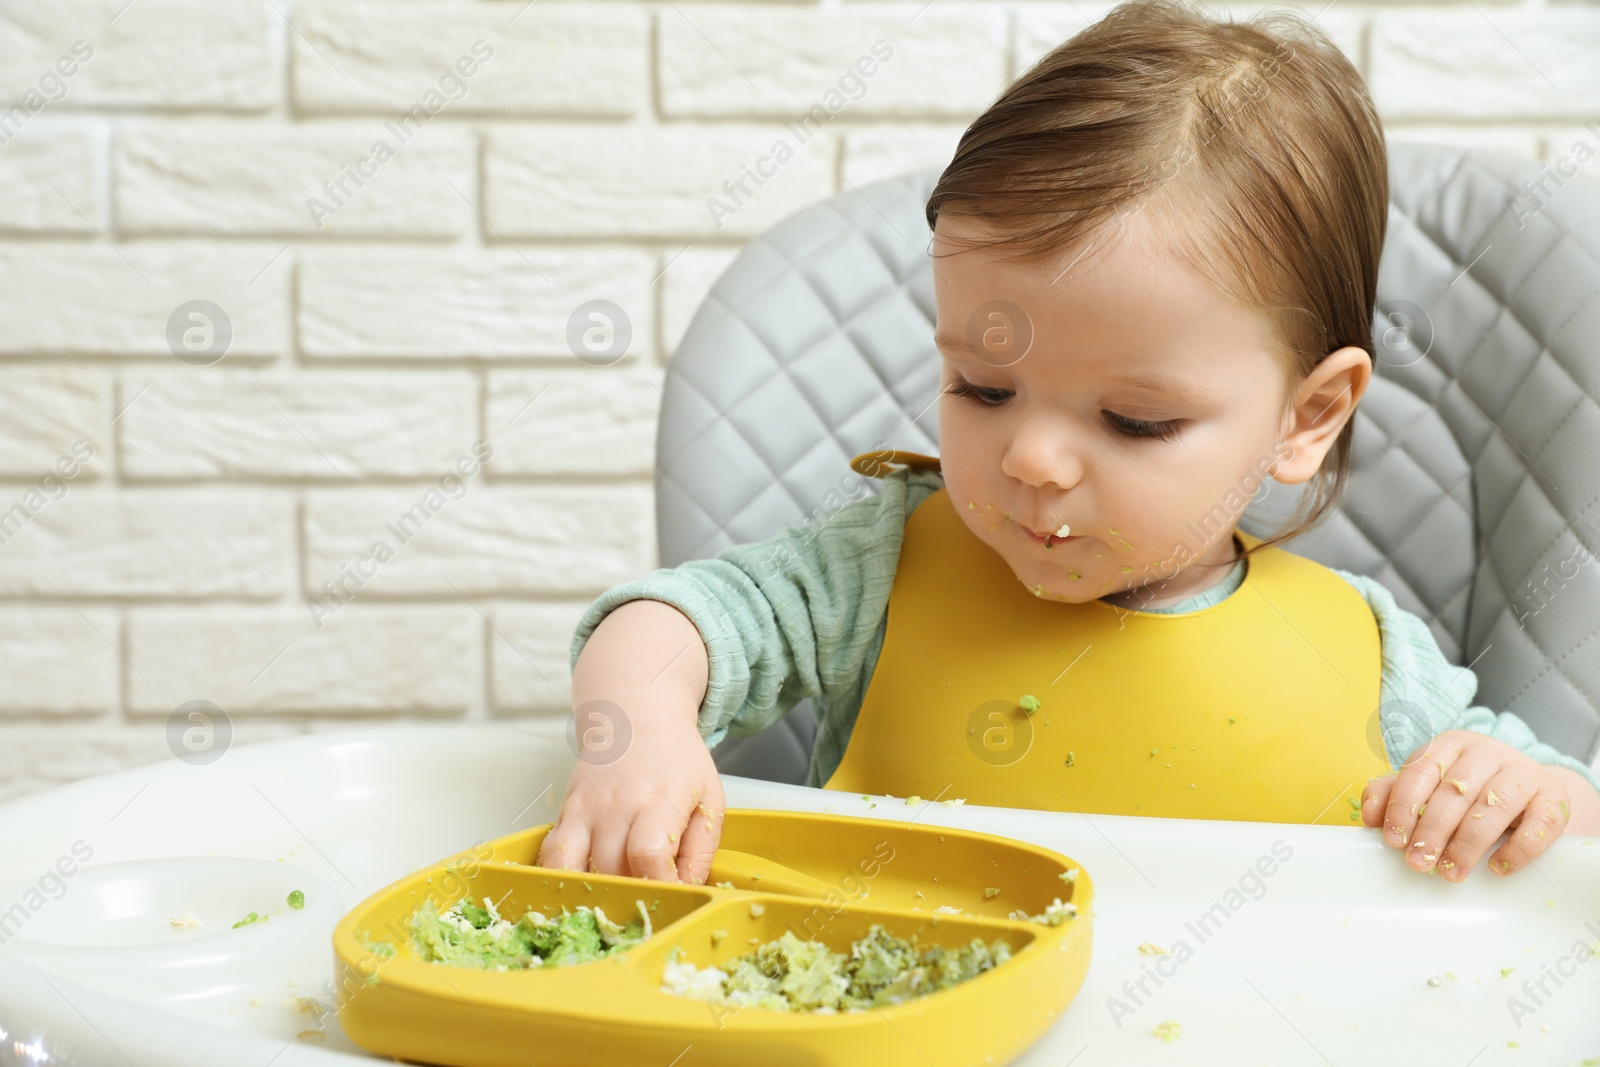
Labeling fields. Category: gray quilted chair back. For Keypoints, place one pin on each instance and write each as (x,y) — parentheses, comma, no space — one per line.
(1476,458)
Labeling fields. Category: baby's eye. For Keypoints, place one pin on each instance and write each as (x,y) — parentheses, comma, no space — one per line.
(982,394)
(1164,430)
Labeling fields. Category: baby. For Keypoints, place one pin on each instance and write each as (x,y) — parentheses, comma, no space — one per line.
(1155,263)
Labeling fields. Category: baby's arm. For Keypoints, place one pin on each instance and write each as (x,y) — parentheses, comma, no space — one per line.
(1467,774)
(644,797)
(765,625)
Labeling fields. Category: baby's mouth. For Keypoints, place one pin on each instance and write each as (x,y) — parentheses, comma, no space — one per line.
(1060,535)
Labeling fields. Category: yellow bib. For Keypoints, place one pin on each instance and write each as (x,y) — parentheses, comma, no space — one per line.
(1262,707)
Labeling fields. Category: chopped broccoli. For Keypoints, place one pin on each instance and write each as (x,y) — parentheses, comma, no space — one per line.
(1029,703)
(1055,913)
(793,975)
(466,935)
(577,939)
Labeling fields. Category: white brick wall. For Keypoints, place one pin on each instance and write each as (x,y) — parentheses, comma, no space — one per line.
(398,206)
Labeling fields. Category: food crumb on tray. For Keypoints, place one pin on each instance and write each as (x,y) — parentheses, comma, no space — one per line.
(306,1006)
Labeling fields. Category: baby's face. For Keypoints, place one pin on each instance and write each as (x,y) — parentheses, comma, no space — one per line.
(1144,401)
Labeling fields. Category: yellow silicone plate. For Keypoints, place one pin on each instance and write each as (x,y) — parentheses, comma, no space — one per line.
(829,878)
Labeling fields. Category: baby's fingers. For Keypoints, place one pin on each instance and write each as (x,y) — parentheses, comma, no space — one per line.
(1375,798)
(703,835)
(1459,823)
(1413,787)
(566,846)
(1543,820)
(653,841)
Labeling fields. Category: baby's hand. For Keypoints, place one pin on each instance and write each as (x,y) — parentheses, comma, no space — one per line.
(655,812)
(1454,797)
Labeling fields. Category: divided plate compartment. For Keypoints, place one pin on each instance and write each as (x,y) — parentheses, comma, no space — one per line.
(831,879)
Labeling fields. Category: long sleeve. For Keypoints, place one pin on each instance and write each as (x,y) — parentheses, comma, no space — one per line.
(1423,694)
(786,618)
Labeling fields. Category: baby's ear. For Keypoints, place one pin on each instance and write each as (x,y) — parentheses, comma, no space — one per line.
(1323,402)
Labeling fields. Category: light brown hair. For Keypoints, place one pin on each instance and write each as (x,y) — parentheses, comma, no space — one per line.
(1256,141)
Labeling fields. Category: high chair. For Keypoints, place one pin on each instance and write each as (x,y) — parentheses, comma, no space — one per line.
(1474,464)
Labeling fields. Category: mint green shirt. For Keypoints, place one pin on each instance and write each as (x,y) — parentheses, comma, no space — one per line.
(803,614)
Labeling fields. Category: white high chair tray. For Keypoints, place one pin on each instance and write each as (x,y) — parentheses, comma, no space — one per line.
(1327,959)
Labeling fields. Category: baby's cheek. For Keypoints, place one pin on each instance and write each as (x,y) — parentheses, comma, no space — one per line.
(980,517)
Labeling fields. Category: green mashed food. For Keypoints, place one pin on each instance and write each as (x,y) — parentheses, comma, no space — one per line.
(467,935)
(794,975)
